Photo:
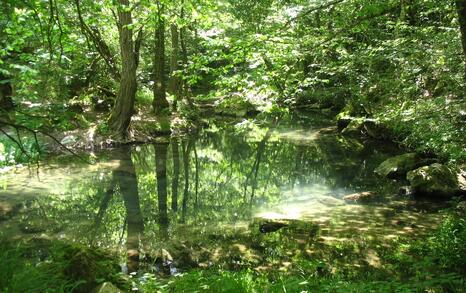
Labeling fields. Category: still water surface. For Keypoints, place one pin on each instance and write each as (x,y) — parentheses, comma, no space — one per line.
(205,192)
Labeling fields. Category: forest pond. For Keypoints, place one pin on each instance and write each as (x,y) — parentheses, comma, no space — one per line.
(238,193)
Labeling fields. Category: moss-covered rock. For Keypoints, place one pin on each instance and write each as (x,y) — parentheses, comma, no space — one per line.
(398,166)
(435,180)
(375,129)
(89,266)
(354,127)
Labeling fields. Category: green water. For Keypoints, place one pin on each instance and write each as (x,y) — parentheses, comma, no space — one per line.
(201,196)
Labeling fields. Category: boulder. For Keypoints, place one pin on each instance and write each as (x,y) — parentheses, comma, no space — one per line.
(360,197)
(375,129)
(343,122)
(354,127)
(435,180)
(398,166)
(405,191)
(69,140)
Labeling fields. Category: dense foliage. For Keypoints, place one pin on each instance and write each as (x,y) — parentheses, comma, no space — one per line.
(399,62)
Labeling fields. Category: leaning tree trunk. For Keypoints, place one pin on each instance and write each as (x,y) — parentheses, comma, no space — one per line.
(160,102)
(174,82)
(124,106)
(461,8)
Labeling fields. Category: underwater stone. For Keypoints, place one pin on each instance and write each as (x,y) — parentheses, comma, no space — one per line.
(360,197)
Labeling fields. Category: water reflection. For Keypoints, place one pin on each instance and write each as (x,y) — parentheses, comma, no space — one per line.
(125,181)
(226,174)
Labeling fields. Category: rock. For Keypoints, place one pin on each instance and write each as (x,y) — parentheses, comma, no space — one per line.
(405,191)
(164,261)
(69,140)
(398,166)
(354,127)
(330,201)
(106,287)
(342,122)
(8,210)
(375,129)
(435,180)
(102,104)
(462,180)
(271,226)
(360,197)
(76,108)
(461,206)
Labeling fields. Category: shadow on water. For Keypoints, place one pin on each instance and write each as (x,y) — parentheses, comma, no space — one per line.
(198,200)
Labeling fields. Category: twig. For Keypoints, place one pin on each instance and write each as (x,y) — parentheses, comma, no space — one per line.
(17,142)
(34,132)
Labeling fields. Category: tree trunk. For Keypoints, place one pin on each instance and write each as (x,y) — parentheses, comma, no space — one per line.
(176,173)
(186,147)
(461,8)
(160,102)
(6,91)
(121,115)
(174,83)
(184,59)
(125,177)
(161,174)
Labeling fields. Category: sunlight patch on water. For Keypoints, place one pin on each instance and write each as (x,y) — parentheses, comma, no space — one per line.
(313,200)
(298,136)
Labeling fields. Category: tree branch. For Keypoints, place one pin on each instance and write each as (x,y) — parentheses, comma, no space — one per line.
(100,45)
(35,132)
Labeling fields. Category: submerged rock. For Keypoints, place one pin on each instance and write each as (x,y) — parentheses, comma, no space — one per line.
(360,197)
(8,210)
(398,166)
(269,227)
(435,180)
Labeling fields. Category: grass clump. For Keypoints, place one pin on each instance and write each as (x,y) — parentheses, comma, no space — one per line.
(42,266)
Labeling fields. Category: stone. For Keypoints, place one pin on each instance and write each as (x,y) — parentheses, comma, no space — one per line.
(435,180)
(106,287)
(354,127)
(8,210)
(375,129)
(405,191)
(360,197)
(69,140)
(271,226)
(342,122)
(398,166)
